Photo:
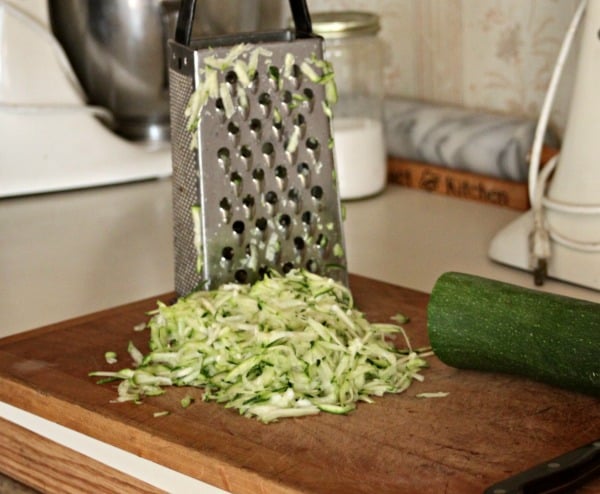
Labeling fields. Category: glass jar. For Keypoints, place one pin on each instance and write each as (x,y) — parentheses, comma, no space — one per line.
(355,52)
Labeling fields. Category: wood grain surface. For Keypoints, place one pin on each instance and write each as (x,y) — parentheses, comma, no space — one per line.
(488,427)
(49,467)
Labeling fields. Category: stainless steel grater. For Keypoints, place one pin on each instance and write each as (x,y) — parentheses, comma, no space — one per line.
(254,185)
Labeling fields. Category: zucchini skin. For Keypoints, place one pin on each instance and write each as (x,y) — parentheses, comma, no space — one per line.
(482,324)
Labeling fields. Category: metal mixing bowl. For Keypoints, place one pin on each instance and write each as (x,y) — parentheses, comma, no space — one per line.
(118,50)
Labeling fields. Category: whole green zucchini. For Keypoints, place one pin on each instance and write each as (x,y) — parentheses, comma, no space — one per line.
(482,324)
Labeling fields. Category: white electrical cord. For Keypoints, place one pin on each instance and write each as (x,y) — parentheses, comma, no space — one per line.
(544,117)
(542,234)
(27,108)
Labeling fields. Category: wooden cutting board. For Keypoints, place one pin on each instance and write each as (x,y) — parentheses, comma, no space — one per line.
(487,428)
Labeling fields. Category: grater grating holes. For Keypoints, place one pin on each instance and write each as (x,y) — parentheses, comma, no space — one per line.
(236,183)
(277,129)
(248,203)
(294,195)
(246,152)
(258,136)
(238,227)
(271,198)
(265,102)
(233,129)
(259,176)
(256,127)
(299,243)
(317,192)
(231,78)
(227,253)
(285,221)
(241,276)
(304,174)
(281,171)
(268,149)
(300,120)
(312,266)
(224,159)
(312,143)
(307,218)
(262,224)
(225,209)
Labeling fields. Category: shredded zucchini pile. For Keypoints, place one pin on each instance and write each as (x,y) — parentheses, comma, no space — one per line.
(286,346)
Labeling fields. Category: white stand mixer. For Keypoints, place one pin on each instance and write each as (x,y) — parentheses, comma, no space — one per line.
(560,235)
(50,140)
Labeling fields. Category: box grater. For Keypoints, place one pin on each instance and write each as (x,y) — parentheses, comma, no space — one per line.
(254,185)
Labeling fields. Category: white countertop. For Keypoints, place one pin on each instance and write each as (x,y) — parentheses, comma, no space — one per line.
(68,254)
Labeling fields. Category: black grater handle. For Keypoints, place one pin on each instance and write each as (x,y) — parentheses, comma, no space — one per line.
(187,8)
(301,18)
(185,22)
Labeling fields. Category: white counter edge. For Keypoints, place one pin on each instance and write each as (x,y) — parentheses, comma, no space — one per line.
(147,471)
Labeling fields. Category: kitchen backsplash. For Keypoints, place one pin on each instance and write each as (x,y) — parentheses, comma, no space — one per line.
(494,55)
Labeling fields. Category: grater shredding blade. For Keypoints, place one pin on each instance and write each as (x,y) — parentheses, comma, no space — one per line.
(254,186)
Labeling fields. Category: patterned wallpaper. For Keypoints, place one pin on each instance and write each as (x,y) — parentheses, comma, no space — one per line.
(496,55)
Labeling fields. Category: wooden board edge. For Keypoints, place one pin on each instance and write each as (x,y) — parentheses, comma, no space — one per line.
(21,451)
(187,461)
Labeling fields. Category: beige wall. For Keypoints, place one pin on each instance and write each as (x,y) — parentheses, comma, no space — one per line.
(491,54)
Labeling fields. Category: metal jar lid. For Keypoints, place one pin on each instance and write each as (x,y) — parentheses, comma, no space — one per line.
(344,24)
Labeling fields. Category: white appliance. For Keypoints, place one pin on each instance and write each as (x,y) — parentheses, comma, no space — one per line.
(50,139)
(559,236)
